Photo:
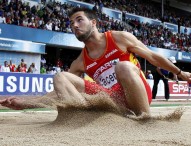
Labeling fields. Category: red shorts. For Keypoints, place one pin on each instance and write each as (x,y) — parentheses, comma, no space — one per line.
(116,92)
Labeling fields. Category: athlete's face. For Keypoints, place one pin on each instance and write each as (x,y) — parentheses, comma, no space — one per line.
(81,26)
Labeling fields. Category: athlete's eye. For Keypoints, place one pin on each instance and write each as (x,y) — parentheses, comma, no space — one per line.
(79,20)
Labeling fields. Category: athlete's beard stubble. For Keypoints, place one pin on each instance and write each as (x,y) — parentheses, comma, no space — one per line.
(86,35)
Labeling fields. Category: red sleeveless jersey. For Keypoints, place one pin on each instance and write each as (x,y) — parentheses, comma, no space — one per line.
(101,69)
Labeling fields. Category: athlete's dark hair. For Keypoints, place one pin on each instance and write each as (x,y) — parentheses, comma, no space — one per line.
(88,12)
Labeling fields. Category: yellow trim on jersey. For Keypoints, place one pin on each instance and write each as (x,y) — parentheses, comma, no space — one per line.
(133,59)
(86,77)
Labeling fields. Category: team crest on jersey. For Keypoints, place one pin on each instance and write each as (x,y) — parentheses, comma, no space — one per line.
(114,62)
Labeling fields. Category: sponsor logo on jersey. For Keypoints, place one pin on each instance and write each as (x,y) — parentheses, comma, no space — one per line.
(105,67)
(91,65)
(111,53)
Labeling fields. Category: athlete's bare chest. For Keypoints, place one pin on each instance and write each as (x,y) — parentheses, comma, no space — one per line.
(97,53)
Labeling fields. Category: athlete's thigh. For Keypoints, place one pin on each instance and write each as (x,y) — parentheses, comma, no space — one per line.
(78,82)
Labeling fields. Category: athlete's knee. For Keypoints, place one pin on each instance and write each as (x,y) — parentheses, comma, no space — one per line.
(64,78)
(60,77)
(125,68)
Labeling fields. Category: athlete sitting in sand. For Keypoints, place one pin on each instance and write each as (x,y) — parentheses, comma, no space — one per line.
(109,59)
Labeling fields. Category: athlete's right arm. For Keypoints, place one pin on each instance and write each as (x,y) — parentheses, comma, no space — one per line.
(19,103)
(77,66)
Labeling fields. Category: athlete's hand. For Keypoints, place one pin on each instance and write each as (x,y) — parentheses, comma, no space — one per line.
(186,76)
(12,102)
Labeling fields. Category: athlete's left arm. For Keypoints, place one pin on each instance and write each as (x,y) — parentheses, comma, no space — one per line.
(128,42)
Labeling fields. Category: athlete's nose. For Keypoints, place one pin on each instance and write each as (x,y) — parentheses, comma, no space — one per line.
(74,26)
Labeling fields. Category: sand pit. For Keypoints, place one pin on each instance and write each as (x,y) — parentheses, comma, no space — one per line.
(97,128)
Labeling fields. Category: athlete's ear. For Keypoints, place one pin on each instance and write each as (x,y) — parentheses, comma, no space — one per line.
(94,22)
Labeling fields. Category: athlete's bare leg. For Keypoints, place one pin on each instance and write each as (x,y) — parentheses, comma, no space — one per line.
(69,88)
(67,92)
(128,76)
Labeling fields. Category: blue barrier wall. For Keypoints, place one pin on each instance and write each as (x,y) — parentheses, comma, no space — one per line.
(142,19)
(16,50)
(39,35)
(25,84)
(164,52)
(180,56)
(19,84)
(21,46)
(172,27)
(187,31)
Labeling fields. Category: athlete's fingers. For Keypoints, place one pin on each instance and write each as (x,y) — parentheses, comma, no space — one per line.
(6,104)
(12,99)
(3,100)
(10,105)
(9,100)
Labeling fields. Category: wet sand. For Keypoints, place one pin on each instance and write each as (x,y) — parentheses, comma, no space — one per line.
(95,128)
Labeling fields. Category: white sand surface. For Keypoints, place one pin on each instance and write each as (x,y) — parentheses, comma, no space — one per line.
(92,128)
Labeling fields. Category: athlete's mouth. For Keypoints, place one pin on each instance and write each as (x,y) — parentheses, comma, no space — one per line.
(77,31)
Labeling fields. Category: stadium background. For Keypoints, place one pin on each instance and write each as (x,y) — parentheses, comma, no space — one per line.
(33,44)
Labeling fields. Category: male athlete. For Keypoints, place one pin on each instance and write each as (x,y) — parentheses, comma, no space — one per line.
(109,59)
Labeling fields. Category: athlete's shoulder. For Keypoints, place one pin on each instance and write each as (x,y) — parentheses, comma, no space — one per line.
(120,36)
(121,33)
(124,39)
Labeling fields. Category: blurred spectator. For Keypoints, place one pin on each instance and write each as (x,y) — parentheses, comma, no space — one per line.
(5,67)
(66,68)
(33,68)
(24,11)
(18,68)
(25,21)
(57,69)
(41,23)
(149,74)
(59,63)
(12,66)
(43,61)
(51,70)
(48,25)
(101,5)
(2,18)
(68,29)
(42,69)
(23,67)
(22,61)
(95,8)
(30,69)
